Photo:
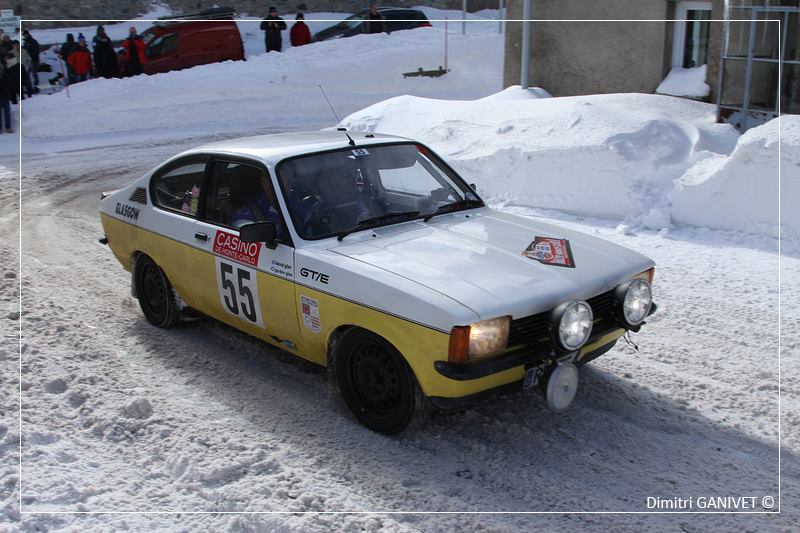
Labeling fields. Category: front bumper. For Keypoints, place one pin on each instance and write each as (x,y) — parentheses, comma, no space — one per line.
(533,354)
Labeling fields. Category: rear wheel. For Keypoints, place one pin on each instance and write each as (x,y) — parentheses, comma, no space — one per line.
(155,294)
(375,381)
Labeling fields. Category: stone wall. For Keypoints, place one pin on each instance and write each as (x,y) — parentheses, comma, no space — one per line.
(574,58)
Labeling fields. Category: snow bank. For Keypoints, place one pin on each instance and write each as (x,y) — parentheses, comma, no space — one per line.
(607,155)
(648,160)
(689,82)
(741,192)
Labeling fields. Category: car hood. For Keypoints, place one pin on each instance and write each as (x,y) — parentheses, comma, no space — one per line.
(475,257)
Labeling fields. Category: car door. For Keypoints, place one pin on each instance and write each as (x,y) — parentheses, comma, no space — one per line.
(169,239)
(248,285)
(162,54)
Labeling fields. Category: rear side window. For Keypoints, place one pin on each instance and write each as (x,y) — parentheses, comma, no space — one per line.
(179,189)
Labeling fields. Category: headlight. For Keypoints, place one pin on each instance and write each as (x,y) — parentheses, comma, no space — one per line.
(482,339)
(634,299)
(572,322)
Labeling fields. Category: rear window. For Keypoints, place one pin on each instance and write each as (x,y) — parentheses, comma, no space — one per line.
(179,189)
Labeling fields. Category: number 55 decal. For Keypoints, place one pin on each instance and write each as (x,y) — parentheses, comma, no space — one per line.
(238,291)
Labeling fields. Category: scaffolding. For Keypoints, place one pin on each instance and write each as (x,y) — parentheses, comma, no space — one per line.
(760,67)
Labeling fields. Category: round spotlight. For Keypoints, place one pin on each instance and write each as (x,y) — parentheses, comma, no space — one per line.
(573,324)
(634,299)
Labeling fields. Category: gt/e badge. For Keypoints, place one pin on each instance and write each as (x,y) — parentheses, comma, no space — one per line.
(550,251)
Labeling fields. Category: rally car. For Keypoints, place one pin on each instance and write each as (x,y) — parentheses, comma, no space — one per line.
(370,255)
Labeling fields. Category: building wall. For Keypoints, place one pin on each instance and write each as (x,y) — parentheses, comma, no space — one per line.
(579,57)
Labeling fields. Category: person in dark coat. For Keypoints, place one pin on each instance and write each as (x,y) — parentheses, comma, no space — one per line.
(7,84)
(65,50)
(105,57)
(273,25)
(374,21)
(300,33)
(32,46)
(80,60)
(134,53)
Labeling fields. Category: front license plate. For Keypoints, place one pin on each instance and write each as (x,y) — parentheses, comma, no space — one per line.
(532,376)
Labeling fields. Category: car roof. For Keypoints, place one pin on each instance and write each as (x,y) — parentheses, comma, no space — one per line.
(272,148)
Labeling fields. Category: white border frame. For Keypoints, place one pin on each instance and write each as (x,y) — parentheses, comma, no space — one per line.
(777,511)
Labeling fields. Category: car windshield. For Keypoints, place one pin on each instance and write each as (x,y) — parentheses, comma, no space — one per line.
(334,193)
(350,22)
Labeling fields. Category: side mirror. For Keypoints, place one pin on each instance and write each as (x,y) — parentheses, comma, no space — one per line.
(473,187)
(259,232)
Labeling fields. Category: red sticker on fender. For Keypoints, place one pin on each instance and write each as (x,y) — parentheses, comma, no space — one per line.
(229,245)
(550,251)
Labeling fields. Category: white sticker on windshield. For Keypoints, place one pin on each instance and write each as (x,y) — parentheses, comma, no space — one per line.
(360,152)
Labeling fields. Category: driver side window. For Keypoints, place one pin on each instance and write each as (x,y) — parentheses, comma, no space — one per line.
(241,194)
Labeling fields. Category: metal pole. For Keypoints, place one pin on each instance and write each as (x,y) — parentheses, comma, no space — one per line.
(445,44)
(751,44)
(524,75)
(499,16)
(463,17)
(783,30)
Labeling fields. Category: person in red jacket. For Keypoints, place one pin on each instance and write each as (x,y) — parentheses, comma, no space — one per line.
(80,59)
(134,53)
(300,34)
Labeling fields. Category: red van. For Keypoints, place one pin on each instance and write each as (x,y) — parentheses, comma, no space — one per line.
(180,42)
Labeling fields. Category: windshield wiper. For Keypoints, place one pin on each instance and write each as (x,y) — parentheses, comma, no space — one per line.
(378,221)
(455,206)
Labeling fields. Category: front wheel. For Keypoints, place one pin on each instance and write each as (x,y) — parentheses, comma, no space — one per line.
(155,293)
(375,382)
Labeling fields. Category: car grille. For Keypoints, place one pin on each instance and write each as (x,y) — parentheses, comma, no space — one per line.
(536,328)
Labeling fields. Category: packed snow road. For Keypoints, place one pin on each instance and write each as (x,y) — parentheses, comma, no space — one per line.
(120,416)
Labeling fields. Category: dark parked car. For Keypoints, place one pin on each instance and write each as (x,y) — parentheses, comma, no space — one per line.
(397,18)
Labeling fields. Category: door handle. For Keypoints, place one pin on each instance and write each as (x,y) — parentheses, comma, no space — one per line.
(201,236)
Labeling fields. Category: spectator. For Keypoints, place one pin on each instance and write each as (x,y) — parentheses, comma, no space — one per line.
(64,52)
(273,25)
(134,53)
(6,45)
(374,21)
(105,57)
(80,59)
(24,60)
(300,33)
(31,45)
(7,84)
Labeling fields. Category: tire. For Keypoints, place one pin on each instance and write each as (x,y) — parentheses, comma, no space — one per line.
(375,382)
(155,294)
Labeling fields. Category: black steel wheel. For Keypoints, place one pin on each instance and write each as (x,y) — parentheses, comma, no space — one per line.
(155,293)
(375,381)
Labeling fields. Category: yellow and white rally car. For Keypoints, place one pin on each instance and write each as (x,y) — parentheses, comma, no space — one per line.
(370,255)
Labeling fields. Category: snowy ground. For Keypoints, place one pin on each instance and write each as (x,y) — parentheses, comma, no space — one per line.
(120,416)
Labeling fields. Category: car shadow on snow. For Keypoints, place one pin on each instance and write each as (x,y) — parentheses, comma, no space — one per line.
(619,444)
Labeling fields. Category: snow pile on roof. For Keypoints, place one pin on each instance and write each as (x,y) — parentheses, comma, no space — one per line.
(689,82)
(741,192)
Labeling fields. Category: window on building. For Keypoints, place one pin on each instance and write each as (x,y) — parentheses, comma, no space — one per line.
(690,41)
